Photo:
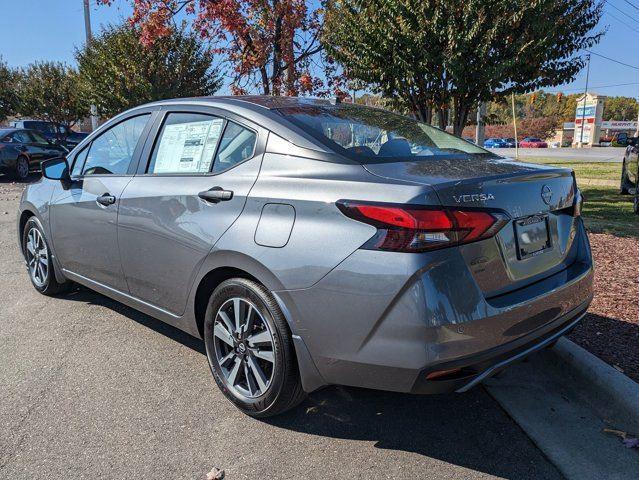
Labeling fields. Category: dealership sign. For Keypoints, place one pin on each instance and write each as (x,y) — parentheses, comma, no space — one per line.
(587,111)
(618,125)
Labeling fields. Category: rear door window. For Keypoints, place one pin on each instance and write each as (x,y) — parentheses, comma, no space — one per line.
(186,144)
(237,145)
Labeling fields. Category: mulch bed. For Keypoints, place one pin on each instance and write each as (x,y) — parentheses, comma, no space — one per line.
(611,328)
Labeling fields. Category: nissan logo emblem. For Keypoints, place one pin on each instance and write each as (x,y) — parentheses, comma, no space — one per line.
(546,194)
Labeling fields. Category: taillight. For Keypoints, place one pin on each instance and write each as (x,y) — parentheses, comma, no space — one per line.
(413,228)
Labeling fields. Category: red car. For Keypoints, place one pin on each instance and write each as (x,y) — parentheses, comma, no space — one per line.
(532,142)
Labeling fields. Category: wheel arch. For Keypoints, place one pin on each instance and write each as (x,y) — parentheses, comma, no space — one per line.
(25,215)
(28,212)
(223,265)
(251,269)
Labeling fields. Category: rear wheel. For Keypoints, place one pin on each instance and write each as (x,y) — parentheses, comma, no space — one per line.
(22,168)
(39,262)
(250,350)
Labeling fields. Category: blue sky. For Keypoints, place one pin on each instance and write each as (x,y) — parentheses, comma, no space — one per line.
(33,30)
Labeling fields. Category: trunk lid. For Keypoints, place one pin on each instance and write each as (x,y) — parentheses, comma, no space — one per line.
(537,198)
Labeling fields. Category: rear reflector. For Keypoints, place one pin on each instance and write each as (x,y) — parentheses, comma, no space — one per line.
(413,228)
(442,373)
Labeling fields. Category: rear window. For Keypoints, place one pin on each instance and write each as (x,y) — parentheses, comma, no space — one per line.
(374,135)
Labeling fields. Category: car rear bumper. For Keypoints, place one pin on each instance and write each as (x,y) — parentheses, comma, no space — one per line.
(387,320)
(471,371)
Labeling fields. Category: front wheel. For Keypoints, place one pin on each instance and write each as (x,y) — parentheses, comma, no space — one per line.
(250,350)
(39,262)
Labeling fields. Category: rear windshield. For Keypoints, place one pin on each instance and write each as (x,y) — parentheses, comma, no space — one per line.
(374,135)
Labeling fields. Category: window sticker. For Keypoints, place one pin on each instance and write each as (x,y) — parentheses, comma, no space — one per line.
(188,147)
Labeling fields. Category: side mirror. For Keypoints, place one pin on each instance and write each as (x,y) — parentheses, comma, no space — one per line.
(56,169)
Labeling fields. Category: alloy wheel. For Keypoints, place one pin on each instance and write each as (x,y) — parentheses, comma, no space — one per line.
(22,168)
(37,257)
(244,348)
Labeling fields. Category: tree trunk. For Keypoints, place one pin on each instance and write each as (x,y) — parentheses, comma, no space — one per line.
(266,86)
(460,118)
(442,118)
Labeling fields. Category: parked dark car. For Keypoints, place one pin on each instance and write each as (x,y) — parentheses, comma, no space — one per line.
(630,171)
(510,142)
(22,151)
(532,142)
(54,132)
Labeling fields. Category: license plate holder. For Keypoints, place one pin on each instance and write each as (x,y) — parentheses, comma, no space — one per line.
(532,236)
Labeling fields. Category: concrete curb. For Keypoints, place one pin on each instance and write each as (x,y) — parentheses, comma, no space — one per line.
(609,391)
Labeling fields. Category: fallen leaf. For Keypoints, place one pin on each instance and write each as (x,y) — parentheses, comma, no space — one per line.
(215,474)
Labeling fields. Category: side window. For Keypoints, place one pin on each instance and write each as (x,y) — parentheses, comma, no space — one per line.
(237,145)
(186,144)
(78,163)
(37,138)
(21,137)
(111,153)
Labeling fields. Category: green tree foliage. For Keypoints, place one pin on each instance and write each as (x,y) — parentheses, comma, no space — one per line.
(539,104)
(451,54)
(8,95)
(50,91)
(620,108)
(118,72)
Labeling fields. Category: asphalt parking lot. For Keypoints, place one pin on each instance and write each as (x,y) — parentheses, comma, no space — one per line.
(92,389)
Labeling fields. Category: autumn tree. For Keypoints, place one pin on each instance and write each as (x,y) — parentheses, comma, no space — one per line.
(8,95)
(117,72)
(271,45)
(438,55)
(50,91)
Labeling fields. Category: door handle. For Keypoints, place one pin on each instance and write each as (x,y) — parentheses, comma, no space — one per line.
(216,195)
(106,199)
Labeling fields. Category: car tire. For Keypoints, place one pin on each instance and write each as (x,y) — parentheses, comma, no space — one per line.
(37,254)
(255,366)
(21,172)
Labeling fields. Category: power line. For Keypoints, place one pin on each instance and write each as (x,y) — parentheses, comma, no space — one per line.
(632,4)
(593,87)
(621,21)
(613,60)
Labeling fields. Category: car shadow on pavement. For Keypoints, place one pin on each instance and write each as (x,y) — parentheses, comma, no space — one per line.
(468,430)
(9,179)
(85,295)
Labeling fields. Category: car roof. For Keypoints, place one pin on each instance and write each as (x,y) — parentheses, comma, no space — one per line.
(260,109)
(268,102)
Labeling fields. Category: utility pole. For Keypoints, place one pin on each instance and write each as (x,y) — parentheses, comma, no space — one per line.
(583,111)
(480,129)
(512,100)
(89,36)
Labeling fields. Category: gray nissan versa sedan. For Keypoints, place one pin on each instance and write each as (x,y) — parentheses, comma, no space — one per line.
(311,243)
